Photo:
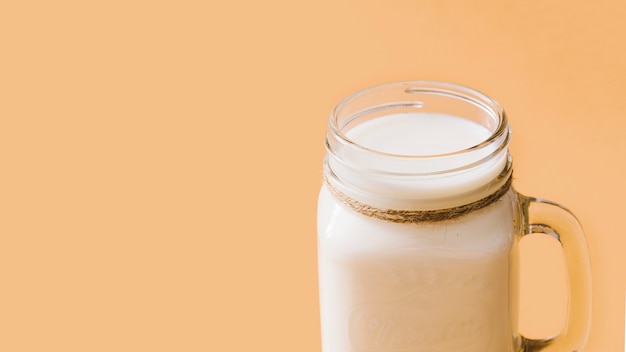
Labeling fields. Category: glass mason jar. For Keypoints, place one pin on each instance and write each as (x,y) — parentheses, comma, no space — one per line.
(418,227)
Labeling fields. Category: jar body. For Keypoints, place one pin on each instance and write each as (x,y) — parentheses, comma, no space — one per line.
(441,286)
(418,227)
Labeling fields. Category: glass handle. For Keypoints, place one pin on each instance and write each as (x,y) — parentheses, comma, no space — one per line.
(542,216)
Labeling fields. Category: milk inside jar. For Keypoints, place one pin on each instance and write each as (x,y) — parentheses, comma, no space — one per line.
(433,286)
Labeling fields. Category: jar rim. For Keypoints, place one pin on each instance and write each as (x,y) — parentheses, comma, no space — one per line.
(444,89)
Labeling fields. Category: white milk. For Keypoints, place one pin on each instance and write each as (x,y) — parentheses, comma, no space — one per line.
(387,287)
(418,134)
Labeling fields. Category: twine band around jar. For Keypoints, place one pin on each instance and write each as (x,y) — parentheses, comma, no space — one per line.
(419,216)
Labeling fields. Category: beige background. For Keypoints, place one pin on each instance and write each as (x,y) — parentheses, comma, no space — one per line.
(160,160)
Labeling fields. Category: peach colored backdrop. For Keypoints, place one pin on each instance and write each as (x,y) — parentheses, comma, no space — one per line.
(160,160)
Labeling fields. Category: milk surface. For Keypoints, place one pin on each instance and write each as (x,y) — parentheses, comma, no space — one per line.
(418,134)
(387,287)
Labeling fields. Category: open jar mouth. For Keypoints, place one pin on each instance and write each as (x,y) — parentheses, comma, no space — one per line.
(458,173)
(416,97)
